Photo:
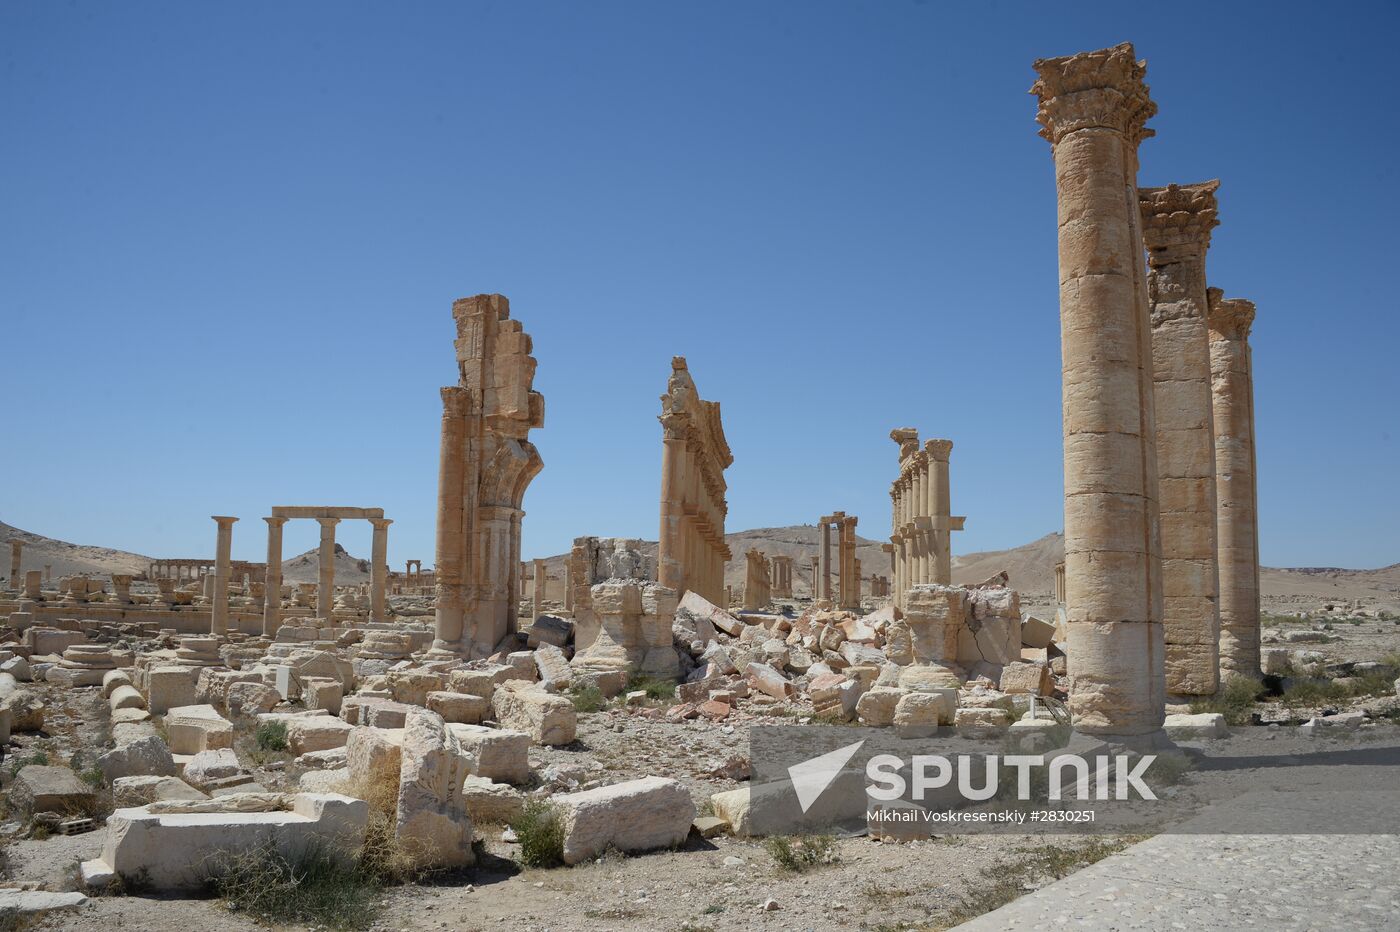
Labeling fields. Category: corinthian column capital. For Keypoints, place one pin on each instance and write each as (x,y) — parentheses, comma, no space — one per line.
(938,449)
(1230,317)
(1177,220)
(1102,89)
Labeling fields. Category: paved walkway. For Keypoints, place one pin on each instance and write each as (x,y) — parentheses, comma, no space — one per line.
(1235,881)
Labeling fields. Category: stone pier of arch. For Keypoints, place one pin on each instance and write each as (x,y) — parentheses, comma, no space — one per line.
(486,462)
(921,523)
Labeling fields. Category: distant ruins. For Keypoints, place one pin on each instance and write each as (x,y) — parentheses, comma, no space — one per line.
(921,534)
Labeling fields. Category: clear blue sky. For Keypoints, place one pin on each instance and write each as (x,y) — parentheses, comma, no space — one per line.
(231,234)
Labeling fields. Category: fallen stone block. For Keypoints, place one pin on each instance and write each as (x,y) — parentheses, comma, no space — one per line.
(128,792)
(208,767)
(639,815)
(769,681)
(491,803)
(251,698)
(192,729)
(174,848)
(317,733)
(323,692)
(459,707)
(126,697)
(1202,725)
(918,715)
(498,754)
(169,687)
(982,723)
(112,679)
(324,781)
(149,757)
(40,788)
(876,706)
(432,814)
(547,718)
(774,808)
(1036,633)
(1026,678)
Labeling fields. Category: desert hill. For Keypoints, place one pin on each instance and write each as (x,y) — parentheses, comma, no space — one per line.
(1031,566)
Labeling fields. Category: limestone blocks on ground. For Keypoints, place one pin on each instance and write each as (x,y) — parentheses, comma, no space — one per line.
(1201,725)
(462,708)
(148,757)
(1026,678)
(307,734)
(499,754)
(142,790)
(432,816)
(546,718)
(125,697)
(251,699)
(639,815)
(170,686)
(491,803)
(195,728)
(208,768)
(179,849)
(40,788)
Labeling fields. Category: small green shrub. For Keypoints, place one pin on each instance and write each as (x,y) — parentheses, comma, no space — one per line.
(316,887)
(799,853)
(654,687)
(38,758)
(271,736)
(587,698)
(1235,700)
(541,835)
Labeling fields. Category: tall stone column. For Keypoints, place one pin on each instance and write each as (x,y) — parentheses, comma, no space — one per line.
(1232,395)
(816,576)
(325,585)
(16,558)
(824,554)
(272,587)
(1094,107)
(223,552)
(449,565)
(940,509)
(1176,224)
(540,587)
(850,589)
(670,571)
(379,568)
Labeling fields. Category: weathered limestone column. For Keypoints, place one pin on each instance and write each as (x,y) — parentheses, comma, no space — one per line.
(1176,225)
(541,582)
(16,551)
(568,587)
(272,588)
(449,569)
(850,588)
(223,551)
(1232,395)
(1094,107)
(824,554)
(670,571)
(378,568)
(816,576)
(940,509)
(859,581)
(325,585)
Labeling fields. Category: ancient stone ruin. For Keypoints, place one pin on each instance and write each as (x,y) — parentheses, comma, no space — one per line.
(485,466)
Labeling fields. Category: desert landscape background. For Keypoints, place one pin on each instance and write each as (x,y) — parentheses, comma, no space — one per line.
(1031,567)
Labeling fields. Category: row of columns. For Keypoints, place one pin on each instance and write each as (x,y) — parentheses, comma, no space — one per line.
(921,521)
(1158,415)
(782,577)
(180,570)
(847,593)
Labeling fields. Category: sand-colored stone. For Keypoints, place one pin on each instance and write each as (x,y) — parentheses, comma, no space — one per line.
(694,456)
(1237,527)
(486,463)
(1093,110)
(1177,221)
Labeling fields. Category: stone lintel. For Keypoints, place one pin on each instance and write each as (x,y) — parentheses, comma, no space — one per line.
(325,511)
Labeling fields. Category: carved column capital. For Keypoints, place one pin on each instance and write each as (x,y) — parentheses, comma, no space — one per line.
(1177,220)
(938,449)
(1102,89)
(1232,318)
